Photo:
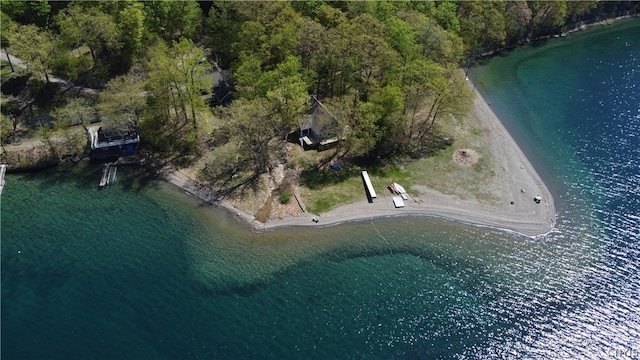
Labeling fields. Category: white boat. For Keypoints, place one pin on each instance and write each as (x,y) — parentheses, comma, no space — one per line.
(399,190)
(397,202)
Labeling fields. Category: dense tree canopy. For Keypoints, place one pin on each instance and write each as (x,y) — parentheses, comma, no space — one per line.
(122,100)
(37,47)
(90,27)
(388,70)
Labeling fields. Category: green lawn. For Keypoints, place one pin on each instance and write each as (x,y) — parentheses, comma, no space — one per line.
(333,188)
(5,69)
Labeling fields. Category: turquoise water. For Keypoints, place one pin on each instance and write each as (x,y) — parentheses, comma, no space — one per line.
(139,270)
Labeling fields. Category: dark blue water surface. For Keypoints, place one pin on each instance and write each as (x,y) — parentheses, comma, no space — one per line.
(573,104)
(140,271)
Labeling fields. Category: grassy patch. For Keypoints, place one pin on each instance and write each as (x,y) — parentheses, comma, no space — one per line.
(285,197)
(334,188)
(389,172)
(325,190)
(321,201)
(321,205)
(320,179)
(5,69)
(299,159)
(441,173)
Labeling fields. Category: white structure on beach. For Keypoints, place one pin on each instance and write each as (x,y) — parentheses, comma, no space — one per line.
(368,186)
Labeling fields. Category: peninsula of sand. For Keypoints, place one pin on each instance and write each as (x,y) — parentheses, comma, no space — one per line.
(511,188)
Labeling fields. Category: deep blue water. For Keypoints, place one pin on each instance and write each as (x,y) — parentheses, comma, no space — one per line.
(140,271)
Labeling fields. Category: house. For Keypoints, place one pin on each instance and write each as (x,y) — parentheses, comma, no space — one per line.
(109,143)
(42,120)
(318,129)
(221,93)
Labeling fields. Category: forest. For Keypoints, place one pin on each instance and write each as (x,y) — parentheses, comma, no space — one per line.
(387,72)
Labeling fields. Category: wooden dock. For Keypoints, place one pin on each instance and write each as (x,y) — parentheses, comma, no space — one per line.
(109,174)
(3,169)
(113,169)
(105,174)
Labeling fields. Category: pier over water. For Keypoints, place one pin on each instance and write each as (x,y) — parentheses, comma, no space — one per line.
(109,174)
(3,169)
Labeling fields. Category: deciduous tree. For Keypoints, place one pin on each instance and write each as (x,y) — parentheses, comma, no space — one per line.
(547,16)
(36,12)
(482,24)
(517,17)
(173,20)
(451,96)
(8,26)
(76,112)
(122,100)
(222,28)
(249,78)
(402,37)
(89,26)
(36,47)
(190,82)
(253,130)
(446,16)
(175,85)
(357,128)
(131,26)
(389,106)
(288,94)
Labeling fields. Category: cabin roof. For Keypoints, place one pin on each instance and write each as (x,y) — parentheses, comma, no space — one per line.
(319,120)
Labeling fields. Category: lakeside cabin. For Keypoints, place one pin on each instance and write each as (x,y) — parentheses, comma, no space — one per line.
(110,144)
(220,81)
(318,129)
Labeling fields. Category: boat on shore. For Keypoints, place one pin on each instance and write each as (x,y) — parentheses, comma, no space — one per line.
(399,190)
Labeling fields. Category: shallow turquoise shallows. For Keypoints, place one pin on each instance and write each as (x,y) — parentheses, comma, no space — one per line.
(139,270)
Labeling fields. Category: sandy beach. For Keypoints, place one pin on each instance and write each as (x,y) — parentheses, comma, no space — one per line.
(514,185)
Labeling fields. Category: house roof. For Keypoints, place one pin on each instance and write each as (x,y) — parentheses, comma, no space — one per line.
(320,120)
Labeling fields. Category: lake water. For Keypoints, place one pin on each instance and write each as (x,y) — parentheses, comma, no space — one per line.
(139,270)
